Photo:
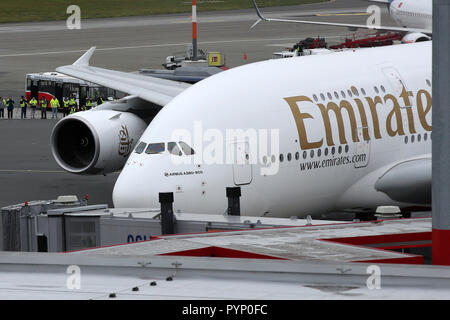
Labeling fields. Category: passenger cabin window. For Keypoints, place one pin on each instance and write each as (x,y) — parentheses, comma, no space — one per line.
(154,148)
(173,148)
(186,148)
(140,148)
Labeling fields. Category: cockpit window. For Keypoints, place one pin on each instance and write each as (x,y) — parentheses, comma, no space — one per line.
(154,148)
(173,148)
(186,148)
(141,146)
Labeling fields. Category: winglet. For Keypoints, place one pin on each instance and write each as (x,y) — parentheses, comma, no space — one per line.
(260,16)
(83,61)
(257,21)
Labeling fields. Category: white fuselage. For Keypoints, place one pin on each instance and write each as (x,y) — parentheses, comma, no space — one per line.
(412,13)
(305,159)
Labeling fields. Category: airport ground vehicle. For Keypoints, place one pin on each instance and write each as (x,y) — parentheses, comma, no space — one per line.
(54,84)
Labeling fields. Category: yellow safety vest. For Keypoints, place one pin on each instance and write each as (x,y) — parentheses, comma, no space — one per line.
(54,103)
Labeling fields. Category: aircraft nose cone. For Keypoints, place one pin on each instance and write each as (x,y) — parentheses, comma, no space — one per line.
(133,190)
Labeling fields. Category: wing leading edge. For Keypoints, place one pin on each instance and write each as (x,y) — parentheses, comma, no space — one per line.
(154,90)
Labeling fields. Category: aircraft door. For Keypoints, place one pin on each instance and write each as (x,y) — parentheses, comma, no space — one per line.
(242,167)
(395,79)
(59,92)
(34,89)
(83,95)
(362,151)
(398,85)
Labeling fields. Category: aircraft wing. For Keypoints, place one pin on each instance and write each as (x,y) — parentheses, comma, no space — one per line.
(348,25)
(408,181)
(154,90)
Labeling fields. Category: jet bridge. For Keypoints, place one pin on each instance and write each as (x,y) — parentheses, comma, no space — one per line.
(58,226)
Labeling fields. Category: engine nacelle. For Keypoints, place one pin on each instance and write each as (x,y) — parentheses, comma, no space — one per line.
(415,37)
(96,141)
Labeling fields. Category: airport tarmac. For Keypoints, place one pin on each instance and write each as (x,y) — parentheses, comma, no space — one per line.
(29,172)
(131,43)
(27,168)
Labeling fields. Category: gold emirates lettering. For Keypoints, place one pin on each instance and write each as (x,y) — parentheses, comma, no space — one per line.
(394,120)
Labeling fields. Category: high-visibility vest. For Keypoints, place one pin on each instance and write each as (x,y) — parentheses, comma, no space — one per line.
(23,103)
(88,103)
(44,103)
(72,102)
(66,103)
(33,102)
(10,104)
(54,103)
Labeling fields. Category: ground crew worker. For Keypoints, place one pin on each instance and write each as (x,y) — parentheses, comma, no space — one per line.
(33,104)
(2,107)
(44,105)
(72,102)
(88,104)
(10,106)
(54,104)
(99,100)
(66,108)
(23,108)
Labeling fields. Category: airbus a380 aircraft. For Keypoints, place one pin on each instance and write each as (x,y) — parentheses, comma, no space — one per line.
(412,13)
(414,18)
(299,136)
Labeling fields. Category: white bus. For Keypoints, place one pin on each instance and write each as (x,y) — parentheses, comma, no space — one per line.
(54,84)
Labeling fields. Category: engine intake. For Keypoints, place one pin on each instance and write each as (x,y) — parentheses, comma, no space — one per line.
(415,37)
(75,144)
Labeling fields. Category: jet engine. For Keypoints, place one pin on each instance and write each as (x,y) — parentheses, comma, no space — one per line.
(415,37)
(96,141)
